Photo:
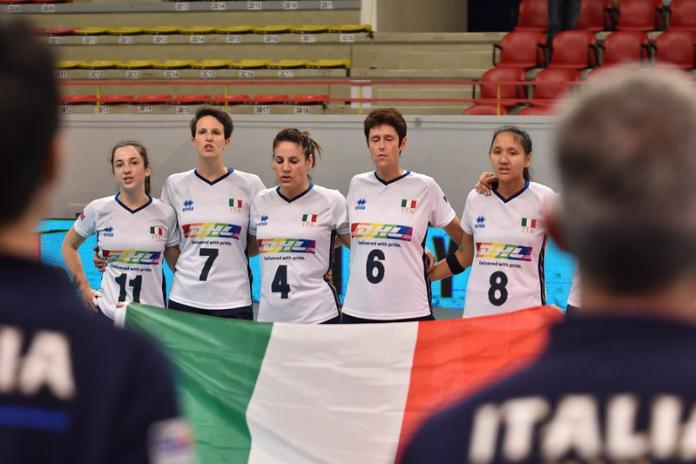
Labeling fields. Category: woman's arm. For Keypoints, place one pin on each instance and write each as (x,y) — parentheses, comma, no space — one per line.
(71,243)
(252,246)
(464,256)
(342,239)
(171,255)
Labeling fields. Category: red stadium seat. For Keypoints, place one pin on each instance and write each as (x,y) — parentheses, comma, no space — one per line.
(574,49)
(492,90)
(683,15)
(157,99)
(55,30)
(594,16)
(625,47)
(118,100)
(79,100)
(485,110)
(676,47)
(271,99)
(189,99)
(535,111)
(533,16)
(640,15)
(552,83)
(521,49)
(311,99)
(232,99)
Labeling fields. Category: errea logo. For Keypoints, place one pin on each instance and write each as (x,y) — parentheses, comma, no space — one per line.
(188,205)
(480,222)
(107,232)
(360,204)
(263,221)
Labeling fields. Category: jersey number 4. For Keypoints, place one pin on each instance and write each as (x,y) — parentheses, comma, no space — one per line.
(136,283)
(280,282)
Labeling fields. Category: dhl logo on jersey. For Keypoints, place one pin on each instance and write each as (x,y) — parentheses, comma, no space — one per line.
(387,231)
(503,251)
(146,258)
(211,229)
(286,245)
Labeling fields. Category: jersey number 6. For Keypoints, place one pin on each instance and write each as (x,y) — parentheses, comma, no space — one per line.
(374,268)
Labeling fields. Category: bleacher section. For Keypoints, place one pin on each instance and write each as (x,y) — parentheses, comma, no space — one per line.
(314,56)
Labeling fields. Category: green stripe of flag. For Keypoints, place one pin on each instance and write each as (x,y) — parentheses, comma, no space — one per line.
(524,222)
(403,203)
(216,374)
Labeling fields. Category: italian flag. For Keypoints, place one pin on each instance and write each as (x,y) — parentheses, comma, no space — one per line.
(261,392)
(406,204)
(528,222)
(309,218)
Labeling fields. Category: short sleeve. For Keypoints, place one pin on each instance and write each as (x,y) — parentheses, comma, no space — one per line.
(174,236)
(166,197)
(339,213)
(86,223)
(253,215)
(466,223)
(256,187)
(442,212)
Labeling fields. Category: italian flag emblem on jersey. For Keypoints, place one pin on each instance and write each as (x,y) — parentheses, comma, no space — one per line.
(529,224)
(309,220)
(408,206)
(236,205)
(157,232)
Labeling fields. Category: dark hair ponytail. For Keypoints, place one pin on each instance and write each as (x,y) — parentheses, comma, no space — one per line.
(301,138)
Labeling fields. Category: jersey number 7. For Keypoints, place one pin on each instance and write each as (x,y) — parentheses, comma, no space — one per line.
(211,254)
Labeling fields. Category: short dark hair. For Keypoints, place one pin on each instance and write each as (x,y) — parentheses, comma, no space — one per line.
(28,114)
(626,145)
(220,115)
(522,137)
(385,116)
(303,139)
(142,151)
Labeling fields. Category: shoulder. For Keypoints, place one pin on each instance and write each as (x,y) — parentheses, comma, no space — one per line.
(177,177)
(264,194)
(331,195)
(98,207)
(249,178)
(99,203)
(541,190)
(164,209)
(363,177)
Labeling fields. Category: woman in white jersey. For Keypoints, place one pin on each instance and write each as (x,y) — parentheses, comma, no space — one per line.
(295,225)
(390,210)
(504,235)
(135,233)
(212,204)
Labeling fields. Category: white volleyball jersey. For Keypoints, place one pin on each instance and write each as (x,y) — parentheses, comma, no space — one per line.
(509,243)
(212,271)
(296,242)
(133,244)
(389,222)
(574,295)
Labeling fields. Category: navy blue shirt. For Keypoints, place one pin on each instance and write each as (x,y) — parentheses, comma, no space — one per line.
(606,388)
(73,389)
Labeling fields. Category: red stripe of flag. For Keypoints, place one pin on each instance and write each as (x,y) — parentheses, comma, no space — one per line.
(454,359)
(314,218)
(413,204)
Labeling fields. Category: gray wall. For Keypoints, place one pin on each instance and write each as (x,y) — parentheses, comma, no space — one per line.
(422,16)
(452,149)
